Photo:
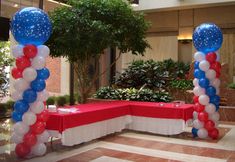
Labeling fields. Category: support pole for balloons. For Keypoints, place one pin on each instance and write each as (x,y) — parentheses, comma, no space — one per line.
(30,27)
(207,39)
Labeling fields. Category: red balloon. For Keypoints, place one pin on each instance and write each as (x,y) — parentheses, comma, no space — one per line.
(195,99)
(217,74)
(216,66)
(43,116)
(30,139)
(198,107)
(214,133)
(30,51)
(22,150)
(38,127)
(211,57)
(22,62)
(209,125)
(203,116)
(16,73)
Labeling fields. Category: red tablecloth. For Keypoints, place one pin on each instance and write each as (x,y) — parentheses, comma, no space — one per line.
(94,112)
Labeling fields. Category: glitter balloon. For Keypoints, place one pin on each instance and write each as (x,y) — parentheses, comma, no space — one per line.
(207,38)
(31,26)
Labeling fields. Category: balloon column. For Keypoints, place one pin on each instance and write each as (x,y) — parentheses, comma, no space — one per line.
(207,39)
(30,27)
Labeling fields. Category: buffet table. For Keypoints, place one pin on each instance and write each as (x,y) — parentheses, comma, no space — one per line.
(94,120)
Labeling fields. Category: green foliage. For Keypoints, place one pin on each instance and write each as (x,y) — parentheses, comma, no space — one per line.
(231,85)
(107,93)
(5,61)
(151,73)
(77,97)
(181,84)
(61,101)
(51,100)
(3,108)
(82,32)
(89,26)
(10,104)
(132,94)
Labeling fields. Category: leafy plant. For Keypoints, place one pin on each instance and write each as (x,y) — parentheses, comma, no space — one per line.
(153,74)
(10,104)
(107,93)
(133,94)
(51,101)
(61,100)
(5,61)
(181,84)
(3,108)
(82,32)
(231,85)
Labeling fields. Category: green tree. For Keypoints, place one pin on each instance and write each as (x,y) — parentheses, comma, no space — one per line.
(5,61)
(82,32)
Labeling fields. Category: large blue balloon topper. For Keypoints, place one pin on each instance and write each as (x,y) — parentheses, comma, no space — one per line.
(207,37)
(31,26)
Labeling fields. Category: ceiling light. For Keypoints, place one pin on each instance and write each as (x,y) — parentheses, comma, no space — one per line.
(15,5)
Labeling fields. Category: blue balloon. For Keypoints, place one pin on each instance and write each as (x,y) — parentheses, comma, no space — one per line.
(38,85)
(217,107)
(16,116)
(196,65)
(199,74)
(215,100)
(194,132)
(29,95)
(204,82)
(31,26)
(207,37)
(21,106)
(211,91)
(43,74)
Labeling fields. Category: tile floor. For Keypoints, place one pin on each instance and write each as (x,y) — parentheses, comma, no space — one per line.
(130,146)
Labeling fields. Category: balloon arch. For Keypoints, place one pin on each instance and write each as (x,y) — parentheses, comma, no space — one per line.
(207,39)
(31,27)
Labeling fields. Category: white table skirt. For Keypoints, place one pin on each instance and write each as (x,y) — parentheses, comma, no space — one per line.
(85,133)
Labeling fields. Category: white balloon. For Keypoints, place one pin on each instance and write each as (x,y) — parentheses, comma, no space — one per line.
(211,74)
(20,128)
(195,82)
(37,107)
(16,95)
(43,51)
(199,56)
(217,56)
(215,83)
(210,108)
(214,116)
(39,149)
(29,74)
(38,62)
(17,51)
(198,91)
(21,85)
(16,138)
(217,91)
(202,133)
(43,95)
(198,124)
(43,137)
(204,65)
(204,99)
(195,115)
(29,118)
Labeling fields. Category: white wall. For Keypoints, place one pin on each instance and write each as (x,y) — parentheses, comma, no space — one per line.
(161,48)
(171,4)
